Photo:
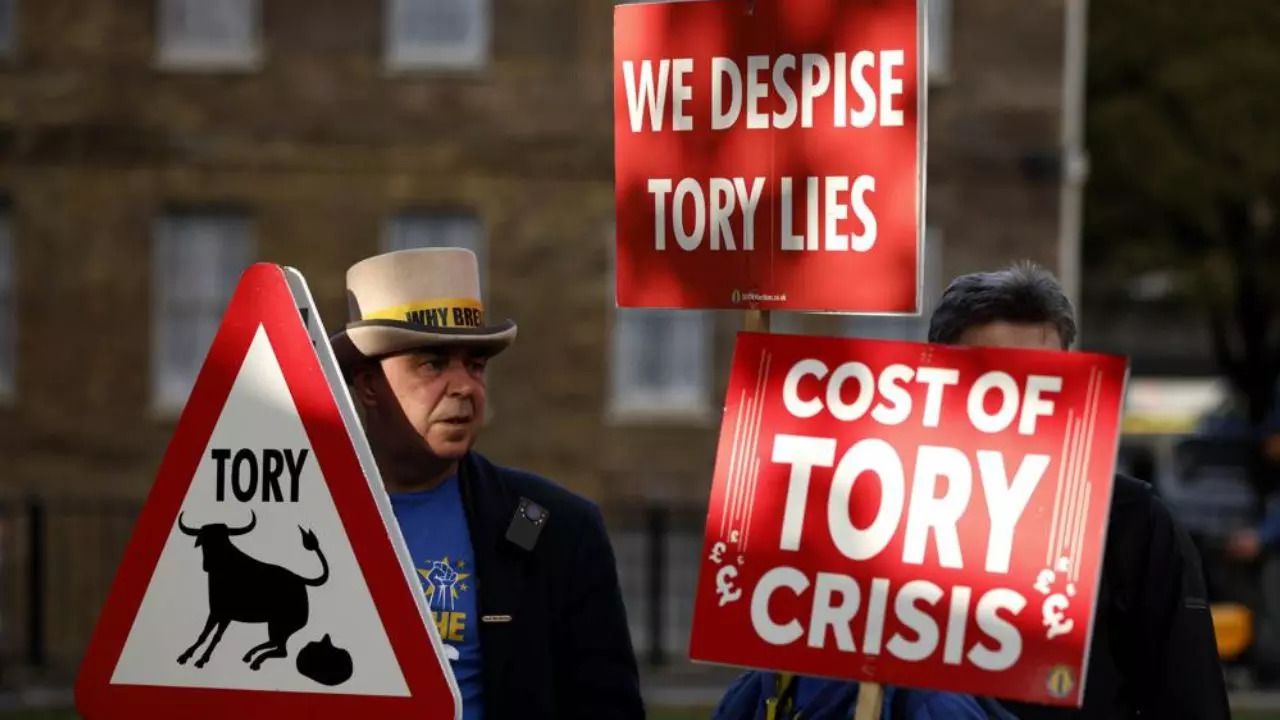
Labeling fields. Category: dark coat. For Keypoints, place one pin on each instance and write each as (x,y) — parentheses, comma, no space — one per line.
(553,630)
(1153,652)
(747,696)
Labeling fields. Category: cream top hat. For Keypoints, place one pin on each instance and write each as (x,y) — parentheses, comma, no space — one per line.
(414,298)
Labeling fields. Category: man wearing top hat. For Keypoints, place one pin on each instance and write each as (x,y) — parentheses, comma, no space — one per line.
(519,572)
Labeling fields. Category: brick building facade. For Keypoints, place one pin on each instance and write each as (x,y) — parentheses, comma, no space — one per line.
(150,148)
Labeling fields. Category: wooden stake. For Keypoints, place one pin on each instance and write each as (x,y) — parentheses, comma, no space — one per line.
(870,698)
(757,321)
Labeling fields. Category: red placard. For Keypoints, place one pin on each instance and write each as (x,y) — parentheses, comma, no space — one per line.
(770,154)
(910,514)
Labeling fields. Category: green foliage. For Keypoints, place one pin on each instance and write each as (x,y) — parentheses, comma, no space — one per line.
(1183,110)
(1183,132)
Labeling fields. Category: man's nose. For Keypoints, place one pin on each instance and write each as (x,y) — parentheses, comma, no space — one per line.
(460,381)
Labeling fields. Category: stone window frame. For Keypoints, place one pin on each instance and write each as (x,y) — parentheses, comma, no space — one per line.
(690,334)
(469,53)
(453,227)
(8,303)
(198,255)
(176,52)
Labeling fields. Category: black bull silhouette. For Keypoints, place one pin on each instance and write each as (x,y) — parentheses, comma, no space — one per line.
(245,589)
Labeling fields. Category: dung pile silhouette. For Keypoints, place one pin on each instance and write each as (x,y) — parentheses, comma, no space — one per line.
(323,662)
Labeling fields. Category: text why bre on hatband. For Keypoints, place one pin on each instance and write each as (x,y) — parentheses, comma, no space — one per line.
(658,93)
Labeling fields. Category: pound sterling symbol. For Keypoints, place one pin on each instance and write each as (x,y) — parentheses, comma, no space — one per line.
(724,585)
(1051,611)
(716,551)
(1053,618)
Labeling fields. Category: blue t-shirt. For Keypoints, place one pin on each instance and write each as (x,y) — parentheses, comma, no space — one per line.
(434,526)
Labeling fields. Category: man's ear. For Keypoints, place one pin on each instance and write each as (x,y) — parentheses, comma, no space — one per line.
(363,378)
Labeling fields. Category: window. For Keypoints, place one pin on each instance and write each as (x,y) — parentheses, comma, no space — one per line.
(209,33)
(787,322)
(424,229)
(8,306)
(661,362)
(421,229)
(938,40)
(906,327)
(8,26)
(437,34)
(196,264)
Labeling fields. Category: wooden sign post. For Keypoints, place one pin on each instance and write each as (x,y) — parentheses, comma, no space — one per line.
(870,700)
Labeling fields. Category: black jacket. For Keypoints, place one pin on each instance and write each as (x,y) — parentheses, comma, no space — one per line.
(1153,651)
(553,630)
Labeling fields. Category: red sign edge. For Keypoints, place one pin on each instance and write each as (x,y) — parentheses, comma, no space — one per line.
(263,298)
(1103,361)
(922,148)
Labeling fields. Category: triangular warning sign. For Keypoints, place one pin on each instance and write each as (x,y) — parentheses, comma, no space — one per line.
(266,576)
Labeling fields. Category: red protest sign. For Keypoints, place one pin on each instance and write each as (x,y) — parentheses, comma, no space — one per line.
(910,514)
(767,152)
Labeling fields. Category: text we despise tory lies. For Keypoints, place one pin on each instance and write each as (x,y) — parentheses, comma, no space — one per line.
(865,89)
(994,404)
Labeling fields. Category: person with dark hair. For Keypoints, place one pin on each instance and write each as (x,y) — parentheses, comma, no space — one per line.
(1019,306)
(1153,653)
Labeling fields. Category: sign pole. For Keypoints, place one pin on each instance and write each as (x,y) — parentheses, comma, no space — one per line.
(756,321)
(870,699)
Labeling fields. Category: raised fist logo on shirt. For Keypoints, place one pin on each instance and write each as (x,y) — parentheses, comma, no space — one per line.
(443,583)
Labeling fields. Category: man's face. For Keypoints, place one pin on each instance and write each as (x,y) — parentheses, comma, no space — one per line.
(437,395)
(1030,336)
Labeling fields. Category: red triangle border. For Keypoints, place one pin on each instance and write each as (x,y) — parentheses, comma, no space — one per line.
(262,297)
